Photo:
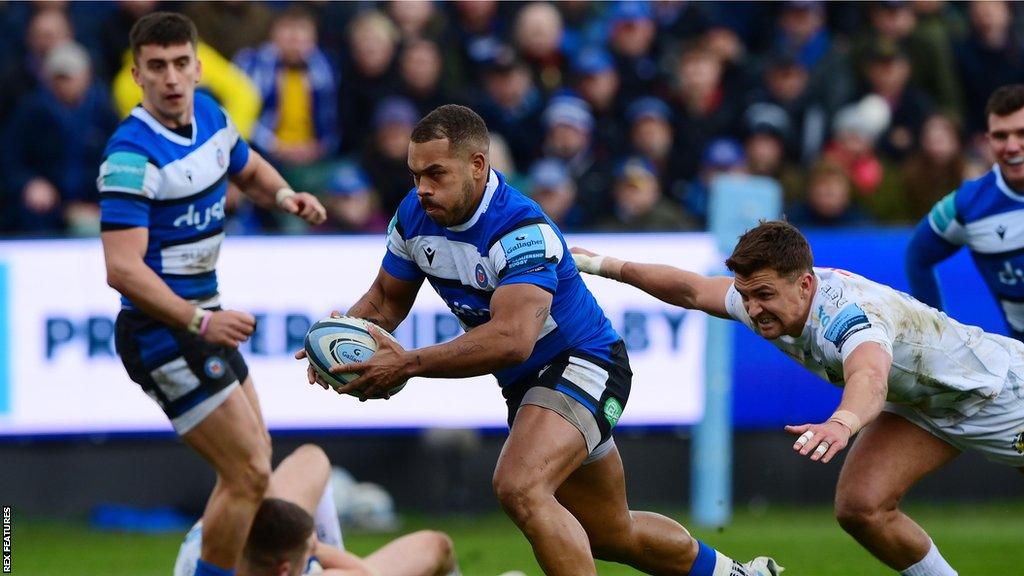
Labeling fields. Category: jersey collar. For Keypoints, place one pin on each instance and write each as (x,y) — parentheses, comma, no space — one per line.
(489,189)
(1004,187)
(144,115)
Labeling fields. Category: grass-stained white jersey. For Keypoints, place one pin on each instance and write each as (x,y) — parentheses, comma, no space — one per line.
(939,365)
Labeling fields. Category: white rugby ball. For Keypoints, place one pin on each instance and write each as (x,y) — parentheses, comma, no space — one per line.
(342,340)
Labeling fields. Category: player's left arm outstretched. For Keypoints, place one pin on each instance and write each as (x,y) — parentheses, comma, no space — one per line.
(266,187)
(866,373)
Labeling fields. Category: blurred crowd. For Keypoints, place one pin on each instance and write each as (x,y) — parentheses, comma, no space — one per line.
(611,115)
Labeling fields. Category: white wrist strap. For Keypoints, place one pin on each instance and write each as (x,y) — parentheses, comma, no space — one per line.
(589,264)
(284,193)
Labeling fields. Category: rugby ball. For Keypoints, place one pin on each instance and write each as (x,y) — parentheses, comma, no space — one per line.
(342,340)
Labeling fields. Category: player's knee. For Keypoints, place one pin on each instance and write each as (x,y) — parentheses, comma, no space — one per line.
(250,478)
(857,510)
(517,497)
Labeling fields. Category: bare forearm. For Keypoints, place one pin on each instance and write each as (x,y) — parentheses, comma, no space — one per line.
(864,396)
(262,183)
(373,307)
(149,293)
(483,350)
(666,283)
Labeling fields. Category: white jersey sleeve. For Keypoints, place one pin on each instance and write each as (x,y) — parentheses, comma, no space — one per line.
(850,327)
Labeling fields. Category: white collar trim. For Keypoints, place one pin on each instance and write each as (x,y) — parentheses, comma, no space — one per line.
(144,115)
(492,185)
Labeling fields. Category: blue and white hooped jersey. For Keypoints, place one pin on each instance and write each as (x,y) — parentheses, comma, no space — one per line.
(988,217)
(176,187)
(508,240)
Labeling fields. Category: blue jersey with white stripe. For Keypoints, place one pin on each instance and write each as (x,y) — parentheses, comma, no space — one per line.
(176,187)
(508,240)
(987,216)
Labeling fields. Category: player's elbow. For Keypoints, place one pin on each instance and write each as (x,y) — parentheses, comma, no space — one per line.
(117,276)
(517,348)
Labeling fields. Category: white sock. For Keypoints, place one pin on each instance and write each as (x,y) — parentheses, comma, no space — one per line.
(933,564)
(328,528)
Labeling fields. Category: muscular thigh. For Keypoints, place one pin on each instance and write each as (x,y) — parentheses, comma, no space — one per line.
(542,450)
(231,435)
(889,456)
(596,495)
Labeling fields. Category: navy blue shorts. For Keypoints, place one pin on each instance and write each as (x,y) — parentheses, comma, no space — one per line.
(186,375)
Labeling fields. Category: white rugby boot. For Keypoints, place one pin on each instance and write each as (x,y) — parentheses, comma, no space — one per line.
(763,566)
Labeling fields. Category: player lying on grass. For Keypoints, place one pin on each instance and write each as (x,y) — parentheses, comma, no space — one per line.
(920,386)
(296,531)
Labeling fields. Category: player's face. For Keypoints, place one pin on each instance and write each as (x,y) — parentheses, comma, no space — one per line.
(778,305)
(1006,136)
(446,185)
(168,76)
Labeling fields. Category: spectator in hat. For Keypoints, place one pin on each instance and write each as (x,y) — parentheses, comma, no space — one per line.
(53,144)
(368,74)
(766,130)
(298,121)
(829,201)
(887,71)
(651,137)
(801,32)
(479,32)
(597,81)
(785,85)
(856,129)
(352,203)
(385,153)
(702,106)
(928,49)
(552,187)
(639,204)
(631,35)
(721,156)
(568,136)
(511,104)
(538,32)
(22,72)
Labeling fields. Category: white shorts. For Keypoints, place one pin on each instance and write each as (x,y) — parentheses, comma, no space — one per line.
(996,430)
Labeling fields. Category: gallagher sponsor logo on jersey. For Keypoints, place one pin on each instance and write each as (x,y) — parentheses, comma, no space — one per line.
(846,323)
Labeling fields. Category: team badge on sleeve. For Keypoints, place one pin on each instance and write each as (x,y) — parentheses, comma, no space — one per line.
(850,320)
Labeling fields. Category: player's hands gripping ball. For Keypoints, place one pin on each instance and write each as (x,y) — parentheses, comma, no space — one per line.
(353,356)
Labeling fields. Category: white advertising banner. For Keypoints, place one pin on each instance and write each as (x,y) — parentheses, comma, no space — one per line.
(59,373)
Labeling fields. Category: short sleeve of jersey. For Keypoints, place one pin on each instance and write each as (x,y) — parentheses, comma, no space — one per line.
(397,260)
(852,327)
(944,222)
(528,254)
(127,183)
(239,147)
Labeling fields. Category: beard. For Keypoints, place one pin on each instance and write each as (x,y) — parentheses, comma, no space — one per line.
(461,209)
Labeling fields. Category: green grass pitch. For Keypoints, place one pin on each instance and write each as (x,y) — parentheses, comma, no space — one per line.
(982,539)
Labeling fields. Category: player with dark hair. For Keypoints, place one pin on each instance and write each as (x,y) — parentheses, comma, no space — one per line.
(919,386)
(295,533)
(163,186)
(986,215)
(503,269)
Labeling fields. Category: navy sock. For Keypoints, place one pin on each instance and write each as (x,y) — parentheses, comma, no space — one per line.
(704,565)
